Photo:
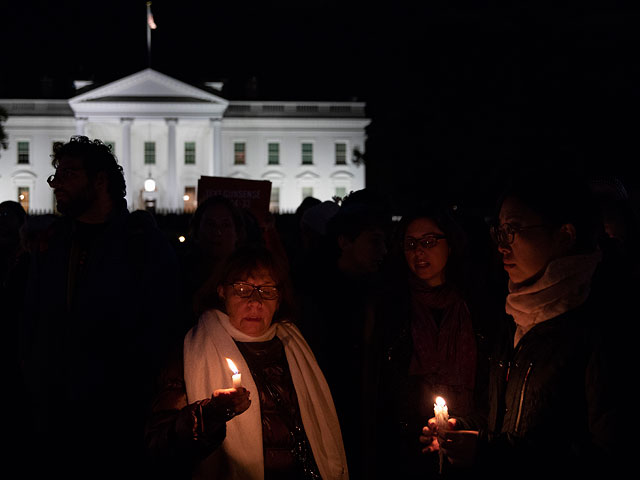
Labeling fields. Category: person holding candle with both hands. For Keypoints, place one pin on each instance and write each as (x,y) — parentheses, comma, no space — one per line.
(551,388)
(203,421)
(431,336)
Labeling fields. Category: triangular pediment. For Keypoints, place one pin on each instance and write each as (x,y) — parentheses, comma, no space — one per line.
(238,174)
(307,175)
(341,175)
(273,175)
(148,86)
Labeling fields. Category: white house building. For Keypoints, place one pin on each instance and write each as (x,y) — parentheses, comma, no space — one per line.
(174,133)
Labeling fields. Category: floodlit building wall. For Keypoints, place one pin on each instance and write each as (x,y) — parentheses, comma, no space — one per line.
(126,114)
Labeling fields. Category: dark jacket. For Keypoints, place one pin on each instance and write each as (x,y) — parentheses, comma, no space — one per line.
(338,314)
(552,400)
(402,409)
(100,301)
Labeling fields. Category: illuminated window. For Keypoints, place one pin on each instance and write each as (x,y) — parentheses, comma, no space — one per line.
(23,152)
(341,192)
(189,153)
(112,146)
(341,153)
(274,201)
(239,157)
(274,154)
(23,197)
(190,199)
(149,153)
(307,153)
(307,192)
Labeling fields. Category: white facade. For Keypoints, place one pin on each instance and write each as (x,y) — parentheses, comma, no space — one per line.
(301,147)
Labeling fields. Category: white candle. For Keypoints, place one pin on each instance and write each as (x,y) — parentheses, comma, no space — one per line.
(442,420)
(442,413)
(236,377)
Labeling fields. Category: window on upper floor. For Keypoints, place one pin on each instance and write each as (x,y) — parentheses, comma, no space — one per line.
(341,192)
(189,153)
(307,153)
(341,153)
(23,152)
(149,153)
(273,153)
(239,153)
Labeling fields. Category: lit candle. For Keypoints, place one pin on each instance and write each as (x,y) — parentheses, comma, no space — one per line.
(442,413)
(442,420)
(236,377)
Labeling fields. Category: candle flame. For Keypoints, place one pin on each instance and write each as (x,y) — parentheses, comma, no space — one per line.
(440,402)
(232,365)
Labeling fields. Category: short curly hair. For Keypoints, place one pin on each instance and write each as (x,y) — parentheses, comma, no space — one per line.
(96,157)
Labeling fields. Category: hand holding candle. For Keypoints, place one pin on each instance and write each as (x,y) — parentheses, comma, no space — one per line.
(236,377)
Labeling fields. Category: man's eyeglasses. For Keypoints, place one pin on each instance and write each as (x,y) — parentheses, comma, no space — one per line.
(245,290)
(426,241)
(62,174)
(505,234)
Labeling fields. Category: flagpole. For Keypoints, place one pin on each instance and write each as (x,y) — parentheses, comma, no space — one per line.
(149,34)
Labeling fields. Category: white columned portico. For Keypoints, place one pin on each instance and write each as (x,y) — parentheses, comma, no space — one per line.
(151,97)
(126,157)
(215,167)
(81,124)
(172,174)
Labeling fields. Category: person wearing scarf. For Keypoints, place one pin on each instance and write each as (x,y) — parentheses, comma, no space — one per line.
(552,391)
(432,348)
(281,423)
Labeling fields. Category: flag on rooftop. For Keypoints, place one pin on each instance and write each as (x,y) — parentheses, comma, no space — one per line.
(150,21)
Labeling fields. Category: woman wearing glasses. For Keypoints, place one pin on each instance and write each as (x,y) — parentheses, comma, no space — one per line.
(432,342)
(281,422)
(550,393)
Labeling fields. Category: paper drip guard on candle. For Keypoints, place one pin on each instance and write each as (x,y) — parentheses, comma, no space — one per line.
(237,378)
(442,420)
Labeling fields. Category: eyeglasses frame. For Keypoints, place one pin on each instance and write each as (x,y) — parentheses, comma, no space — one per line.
(419,241)
(254,288)
(496,232)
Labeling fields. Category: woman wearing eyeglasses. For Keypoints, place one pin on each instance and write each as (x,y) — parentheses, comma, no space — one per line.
(551,393)
(281,423)
(431,336)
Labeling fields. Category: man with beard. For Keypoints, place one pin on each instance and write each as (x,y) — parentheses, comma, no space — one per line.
(100,299)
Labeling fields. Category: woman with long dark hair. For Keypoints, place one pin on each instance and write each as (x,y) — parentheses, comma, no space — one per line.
(431,340)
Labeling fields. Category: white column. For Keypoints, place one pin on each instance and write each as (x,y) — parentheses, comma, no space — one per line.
(125,158)
(172,171)
(81,123)
(215,166)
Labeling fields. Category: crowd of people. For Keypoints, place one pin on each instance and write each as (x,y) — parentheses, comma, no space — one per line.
(316,349)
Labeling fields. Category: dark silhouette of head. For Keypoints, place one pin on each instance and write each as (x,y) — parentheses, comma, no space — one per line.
(87,172)
(359,230)
(217,226)
(12,217)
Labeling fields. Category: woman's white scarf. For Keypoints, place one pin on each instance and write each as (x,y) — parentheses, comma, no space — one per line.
(564,285)
(205,369)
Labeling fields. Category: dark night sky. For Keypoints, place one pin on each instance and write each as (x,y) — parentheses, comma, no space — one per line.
(459,97)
